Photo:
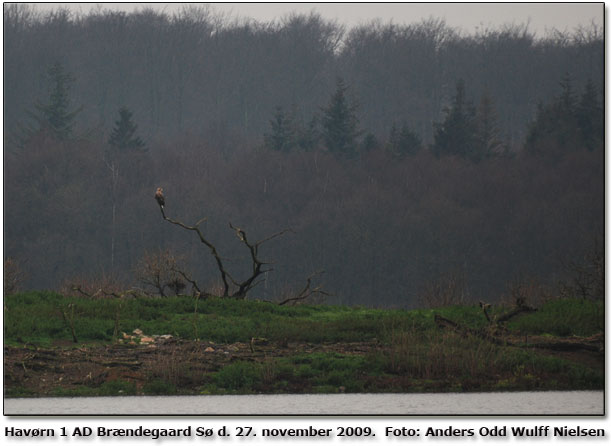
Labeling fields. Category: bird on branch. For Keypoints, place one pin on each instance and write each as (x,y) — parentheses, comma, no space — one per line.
(159,197)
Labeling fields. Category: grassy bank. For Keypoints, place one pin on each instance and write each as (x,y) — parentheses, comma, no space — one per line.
(298,349)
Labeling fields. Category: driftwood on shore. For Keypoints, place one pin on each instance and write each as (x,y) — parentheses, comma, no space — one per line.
(497,333)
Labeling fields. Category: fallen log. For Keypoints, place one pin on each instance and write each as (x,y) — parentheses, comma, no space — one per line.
(443,322)
(593,343)
(518,310)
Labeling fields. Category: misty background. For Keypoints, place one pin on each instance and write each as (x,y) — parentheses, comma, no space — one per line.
(234,117)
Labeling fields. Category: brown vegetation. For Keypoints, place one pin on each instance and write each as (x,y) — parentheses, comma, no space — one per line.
(378,226)
(159,271)
(13,276)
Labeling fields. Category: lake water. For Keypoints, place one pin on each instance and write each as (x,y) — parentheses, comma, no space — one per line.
(501,403)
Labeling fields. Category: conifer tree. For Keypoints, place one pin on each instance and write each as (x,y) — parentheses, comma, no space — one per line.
(56,115)
(370,142)
(282,136)
(123,136)
(456,134)
(339,123)
(403,142)
(308,136)
(556,127)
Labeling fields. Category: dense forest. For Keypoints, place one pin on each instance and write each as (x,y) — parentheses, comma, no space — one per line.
(404,159)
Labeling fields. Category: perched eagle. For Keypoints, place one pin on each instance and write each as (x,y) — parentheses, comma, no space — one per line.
(159,197)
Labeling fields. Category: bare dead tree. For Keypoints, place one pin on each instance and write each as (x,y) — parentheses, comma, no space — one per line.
(231,286)
(159,270)
(307,291)
(257,265)
(219,262)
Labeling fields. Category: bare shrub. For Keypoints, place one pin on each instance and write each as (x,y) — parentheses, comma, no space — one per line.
(170,367)
(449,289)
(215,288)
(160,272)
(526,292)
(13,276)
(269,372)
(435,355)
(587,276)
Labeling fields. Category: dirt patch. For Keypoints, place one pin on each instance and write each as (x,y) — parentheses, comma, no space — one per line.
(167,365)
(186,365)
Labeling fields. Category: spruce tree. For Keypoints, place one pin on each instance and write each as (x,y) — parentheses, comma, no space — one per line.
(456,134)
(56,115)
(282,135)
(308,136)
(123,136)
(556,128)
(339,123)
(403,142)
(370,142)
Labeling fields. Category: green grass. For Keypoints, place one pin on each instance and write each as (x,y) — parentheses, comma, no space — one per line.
(36,317)
(564,317)
(159,386)
(432,366)
(311,373)
(413,354)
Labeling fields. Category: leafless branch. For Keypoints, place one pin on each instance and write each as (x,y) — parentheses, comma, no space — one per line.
(219,262)
(307,291)
(243,287)
(84,293)
(257,264)
(188,279)
(277,234)
(101,291)
(484,307)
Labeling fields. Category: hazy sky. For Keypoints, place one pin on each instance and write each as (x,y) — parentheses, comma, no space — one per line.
(468,16)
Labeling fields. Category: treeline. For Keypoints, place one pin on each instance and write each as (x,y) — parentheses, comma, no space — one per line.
(383,227)
(465,130)
(206,75)
(385,195)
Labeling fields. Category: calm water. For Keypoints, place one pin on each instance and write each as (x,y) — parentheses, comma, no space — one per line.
(506,403)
